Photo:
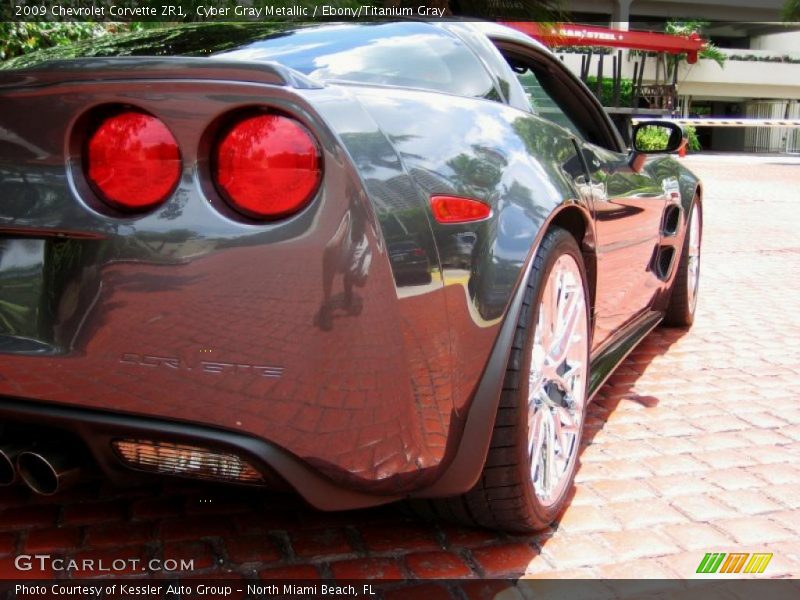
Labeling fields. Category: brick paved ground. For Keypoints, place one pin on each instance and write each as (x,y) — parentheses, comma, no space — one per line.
(693,446)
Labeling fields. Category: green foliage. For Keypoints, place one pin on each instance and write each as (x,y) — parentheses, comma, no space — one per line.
(674,27)
(652,138)
(783,58)
(711,52)
(694,141)
(20,38)
(607,91)
(685,28)
(595,50)
(190,39)
(791,11)
(656,138)
(543,11)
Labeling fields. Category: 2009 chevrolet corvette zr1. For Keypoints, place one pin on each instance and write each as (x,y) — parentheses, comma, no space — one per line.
(364,262)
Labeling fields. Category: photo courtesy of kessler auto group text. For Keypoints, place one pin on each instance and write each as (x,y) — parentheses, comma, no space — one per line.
(394,299)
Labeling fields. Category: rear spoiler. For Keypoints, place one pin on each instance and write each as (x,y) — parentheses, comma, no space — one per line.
(149,67)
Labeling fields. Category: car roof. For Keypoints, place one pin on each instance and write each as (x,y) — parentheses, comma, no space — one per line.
(497,31)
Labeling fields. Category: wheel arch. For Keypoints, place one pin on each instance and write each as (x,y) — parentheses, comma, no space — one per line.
(697,195)
(464,469)
(578,222)
(677,310)
(696,198)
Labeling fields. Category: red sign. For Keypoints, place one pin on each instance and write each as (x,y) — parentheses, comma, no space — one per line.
(571,34)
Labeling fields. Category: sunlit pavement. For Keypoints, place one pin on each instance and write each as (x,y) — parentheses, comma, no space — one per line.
(693,446)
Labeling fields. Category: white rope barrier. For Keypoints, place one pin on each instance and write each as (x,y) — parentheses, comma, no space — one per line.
(721,122)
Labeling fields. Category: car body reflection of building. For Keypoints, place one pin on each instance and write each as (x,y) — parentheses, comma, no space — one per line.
(410,262)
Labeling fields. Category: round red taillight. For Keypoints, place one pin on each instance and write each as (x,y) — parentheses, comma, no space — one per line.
(267,166)
(133,161)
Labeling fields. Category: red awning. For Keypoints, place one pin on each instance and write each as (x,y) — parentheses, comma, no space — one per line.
(571,34)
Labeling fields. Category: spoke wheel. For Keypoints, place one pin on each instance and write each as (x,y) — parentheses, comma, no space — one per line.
(557,380)
(536,435)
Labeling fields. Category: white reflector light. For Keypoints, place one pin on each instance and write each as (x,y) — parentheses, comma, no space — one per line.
(187,461)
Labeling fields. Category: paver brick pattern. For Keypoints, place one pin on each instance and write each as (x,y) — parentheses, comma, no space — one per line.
(693,446)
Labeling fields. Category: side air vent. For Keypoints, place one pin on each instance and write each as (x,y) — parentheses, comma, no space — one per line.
(669,225)
(664,259)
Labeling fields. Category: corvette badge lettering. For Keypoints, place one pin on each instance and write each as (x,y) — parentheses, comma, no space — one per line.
(204,366)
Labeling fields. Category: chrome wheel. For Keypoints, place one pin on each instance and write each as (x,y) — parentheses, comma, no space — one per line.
(693,263)
(557,380)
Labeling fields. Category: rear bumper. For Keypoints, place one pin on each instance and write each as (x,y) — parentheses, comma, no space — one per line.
(97,429)
(458,471)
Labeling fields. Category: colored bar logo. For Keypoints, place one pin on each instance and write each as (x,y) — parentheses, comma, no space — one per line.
(735,562)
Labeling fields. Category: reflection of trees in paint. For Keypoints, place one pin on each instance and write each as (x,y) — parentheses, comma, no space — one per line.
(200,39)
(543,140)
(476,175)
(20,285)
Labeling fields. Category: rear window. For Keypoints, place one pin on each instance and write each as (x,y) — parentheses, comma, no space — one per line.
(409,54)
(416,55)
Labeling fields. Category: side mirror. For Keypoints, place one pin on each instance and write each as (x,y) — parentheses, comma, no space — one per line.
(656,137)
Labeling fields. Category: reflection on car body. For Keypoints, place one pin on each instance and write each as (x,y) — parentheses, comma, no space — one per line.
(410,262)
(290,174)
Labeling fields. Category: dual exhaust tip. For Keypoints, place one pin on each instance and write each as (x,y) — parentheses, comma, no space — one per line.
(45,469)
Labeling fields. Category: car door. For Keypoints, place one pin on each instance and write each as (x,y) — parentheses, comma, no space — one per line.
(628,207)
(627,203)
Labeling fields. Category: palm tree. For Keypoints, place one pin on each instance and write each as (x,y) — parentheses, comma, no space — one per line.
(668,64)
(687,28)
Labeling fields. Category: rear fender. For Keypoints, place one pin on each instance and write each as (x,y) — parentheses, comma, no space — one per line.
(518,164)
(469,457)
(190,313)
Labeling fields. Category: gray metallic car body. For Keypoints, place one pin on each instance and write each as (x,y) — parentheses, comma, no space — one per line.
(191,323)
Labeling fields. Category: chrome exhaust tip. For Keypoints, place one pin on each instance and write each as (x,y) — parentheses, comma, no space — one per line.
(49,469)
(9,451)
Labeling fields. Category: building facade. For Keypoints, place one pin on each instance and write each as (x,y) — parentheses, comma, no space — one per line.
(760,77)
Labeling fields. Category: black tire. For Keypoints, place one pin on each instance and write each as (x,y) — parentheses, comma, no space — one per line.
(504,496)
(680,310)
